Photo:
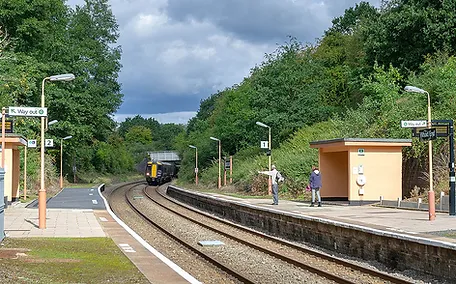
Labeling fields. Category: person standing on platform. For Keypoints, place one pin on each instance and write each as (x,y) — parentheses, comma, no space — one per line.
(276,177)
(315,185)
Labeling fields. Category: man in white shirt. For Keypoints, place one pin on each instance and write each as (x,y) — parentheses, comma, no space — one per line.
(276,176)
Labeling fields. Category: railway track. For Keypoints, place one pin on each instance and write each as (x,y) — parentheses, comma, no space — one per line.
(288,258)
(186,259)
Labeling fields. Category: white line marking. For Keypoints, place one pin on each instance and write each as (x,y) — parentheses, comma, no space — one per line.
(127,248)
(90,193)
(168,262)
(94,202)
(103,219)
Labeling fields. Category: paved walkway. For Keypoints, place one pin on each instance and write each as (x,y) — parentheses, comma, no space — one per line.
(22,222)
(74,223)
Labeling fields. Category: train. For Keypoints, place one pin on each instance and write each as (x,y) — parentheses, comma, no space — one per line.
(158,173)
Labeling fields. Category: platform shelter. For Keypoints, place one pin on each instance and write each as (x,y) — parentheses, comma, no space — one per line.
(361,170)
(12,165)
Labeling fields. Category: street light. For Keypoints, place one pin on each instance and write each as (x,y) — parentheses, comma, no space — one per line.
(270,154)
(42,191)
(196,163)
(431,196)
(220,161)
(61,159)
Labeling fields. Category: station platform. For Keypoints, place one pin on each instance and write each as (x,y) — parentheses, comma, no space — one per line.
(83,213)
(404,221)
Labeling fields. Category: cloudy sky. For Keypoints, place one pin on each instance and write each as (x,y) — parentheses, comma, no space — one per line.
(178,52)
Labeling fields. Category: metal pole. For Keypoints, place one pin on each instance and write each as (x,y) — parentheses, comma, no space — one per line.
(452,204)
(42,191)
(3,137)
(431,195)
(74,168)
(224,171)
(231,169)
(25,172)
(220,161)
(270,163)
(196,166)
(61,164)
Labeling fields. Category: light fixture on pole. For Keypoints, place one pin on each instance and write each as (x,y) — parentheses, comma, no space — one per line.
(42,191)
(50,123)
(61,159)
(431,196)
(196,163)
(270,155)
(220,160)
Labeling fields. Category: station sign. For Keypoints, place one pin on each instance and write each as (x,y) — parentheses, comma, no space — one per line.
(428,134)
(31,143)
(28,111)
(441,126)
(264,145)
(49,143)
(8,126)
(413,123)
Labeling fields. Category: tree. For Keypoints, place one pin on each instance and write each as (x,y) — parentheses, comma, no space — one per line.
(138,120)
(138,134)
(406,31)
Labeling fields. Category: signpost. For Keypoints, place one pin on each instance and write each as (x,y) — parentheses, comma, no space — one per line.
(8,126)
(31,143)
(440,128)
(28,111)
(413,123)
(428,134)
(264,145)
(49,143)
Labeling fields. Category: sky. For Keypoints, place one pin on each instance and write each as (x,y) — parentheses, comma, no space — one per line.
(176,53)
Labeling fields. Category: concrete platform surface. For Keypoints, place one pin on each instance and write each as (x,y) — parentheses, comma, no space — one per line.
(22,222)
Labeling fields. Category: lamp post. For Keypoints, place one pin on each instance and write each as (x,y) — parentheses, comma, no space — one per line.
(196,163)
(61,159)
(431,196)
(220,160)
(42,191)
(270,154)
(3,137)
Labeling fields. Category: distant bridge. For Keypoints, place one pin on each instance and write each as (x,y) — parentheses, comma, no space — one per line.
(164,156)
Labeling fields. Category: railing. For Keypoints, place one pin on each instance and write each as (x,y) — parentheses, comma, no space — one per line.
(443,205)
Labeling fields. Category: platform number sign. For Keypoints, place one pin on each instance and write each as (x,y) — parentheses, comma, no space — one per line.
(49,143)
(31,143)
(264,145)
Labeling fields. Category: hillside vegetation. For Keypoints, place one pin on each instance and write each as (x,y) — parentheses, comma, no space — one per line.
(348,84)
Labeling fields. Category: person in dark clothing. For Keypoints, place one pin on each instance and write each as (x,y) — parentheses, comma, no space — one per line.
(315,185)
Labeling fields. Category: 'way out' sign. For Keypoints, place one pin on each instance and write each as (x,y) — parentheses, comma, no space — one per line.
(413,123)
(28,111)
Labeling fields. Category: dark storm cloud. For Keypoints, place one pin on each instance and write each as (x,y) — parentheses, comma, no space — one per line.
(263,21)
(177,52)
